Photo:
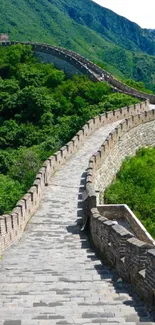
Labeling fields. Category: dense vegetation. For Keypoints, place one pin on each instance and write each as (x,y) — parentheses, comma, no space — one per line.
(126,50)
(40,110)
(135,186)
(137,85)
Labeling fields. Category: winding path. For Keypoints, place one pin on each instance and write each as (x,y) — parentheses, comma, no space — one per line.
(52,276)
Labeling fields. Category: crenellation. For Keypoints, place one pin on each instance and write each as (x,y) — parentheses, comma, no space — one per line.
(42,170)
(97,157)
(97,121)
(118,239)
(85,130)
(64,153)
(17,217)
(120,246)
(57,156)
(47,166)
(39,181)
(3,224)
(135,257)
(12,222)
(132,258)
(15,222)
(37,184)
(22,205)
(69,146)
(126,124)
(103,120)
(7,221)
(116,249)
(89,172)
(90,124)
(80,136)
(150,275)
(110,116)
(27,198)
(129,122)
(34,198)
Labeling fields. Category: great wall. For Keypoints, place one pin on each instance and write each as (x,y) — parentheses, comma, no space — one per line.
(51,275)
(73,63)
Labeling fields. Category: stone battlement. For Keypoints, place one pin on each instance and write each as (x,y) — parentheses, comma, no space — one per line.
(132,253)
(13,224)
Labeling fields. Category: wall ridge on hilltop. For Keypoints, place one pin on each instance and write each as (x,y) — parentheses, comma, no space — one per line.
(85,66)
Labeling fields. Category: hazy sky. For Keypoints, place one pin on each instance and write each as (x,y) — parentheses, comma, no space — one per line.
(140,11)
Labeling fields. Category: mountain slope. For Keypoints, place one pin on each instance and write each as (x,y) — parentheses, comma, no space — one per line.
(85,27)
(50,15)
(111,25)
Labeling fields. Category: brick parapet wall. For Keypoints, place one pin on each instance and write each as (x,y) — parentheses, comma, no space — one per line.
(97,159)
(13,224)
(86,67)
(119,212)
(133,258)
(125,139)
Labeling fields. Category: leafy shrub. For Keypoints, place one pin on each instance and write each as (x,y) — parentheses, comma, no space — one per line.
(25,167)
(10,192)
(135,186)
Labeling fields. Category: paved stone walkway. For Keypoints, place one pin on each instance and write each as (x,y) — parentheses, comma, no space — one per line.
(52,276)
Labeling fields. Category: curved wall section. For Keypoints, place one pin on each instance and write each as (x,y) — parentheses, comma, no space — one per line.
(59,63)
(127,145)
(132,133)
(85,67)
(129,249)
(13,224)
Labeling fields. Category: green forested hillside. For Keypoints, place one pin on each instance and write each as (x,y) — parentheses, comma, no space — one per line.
(135,186)
(40,110)
(96,32)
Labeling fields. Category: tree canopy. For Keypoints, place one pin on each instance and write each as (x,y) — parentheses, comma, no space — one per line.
(135,186)
(40,110)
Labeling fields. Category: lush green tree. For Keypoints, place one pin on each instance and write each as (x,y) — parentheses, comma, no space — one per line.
(19,54)
(10,192)
(39,74)
(40,110)
(8,134)
(25,167)
(137,85)
(135,186)
(9,90)
(33,102)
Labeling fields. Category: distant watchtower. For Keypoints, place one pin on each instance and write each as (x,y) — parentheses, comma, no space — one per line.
(4,37)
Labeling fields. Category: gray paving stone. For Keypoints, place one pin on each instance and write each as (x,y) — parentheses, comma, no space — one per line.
(52,276)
